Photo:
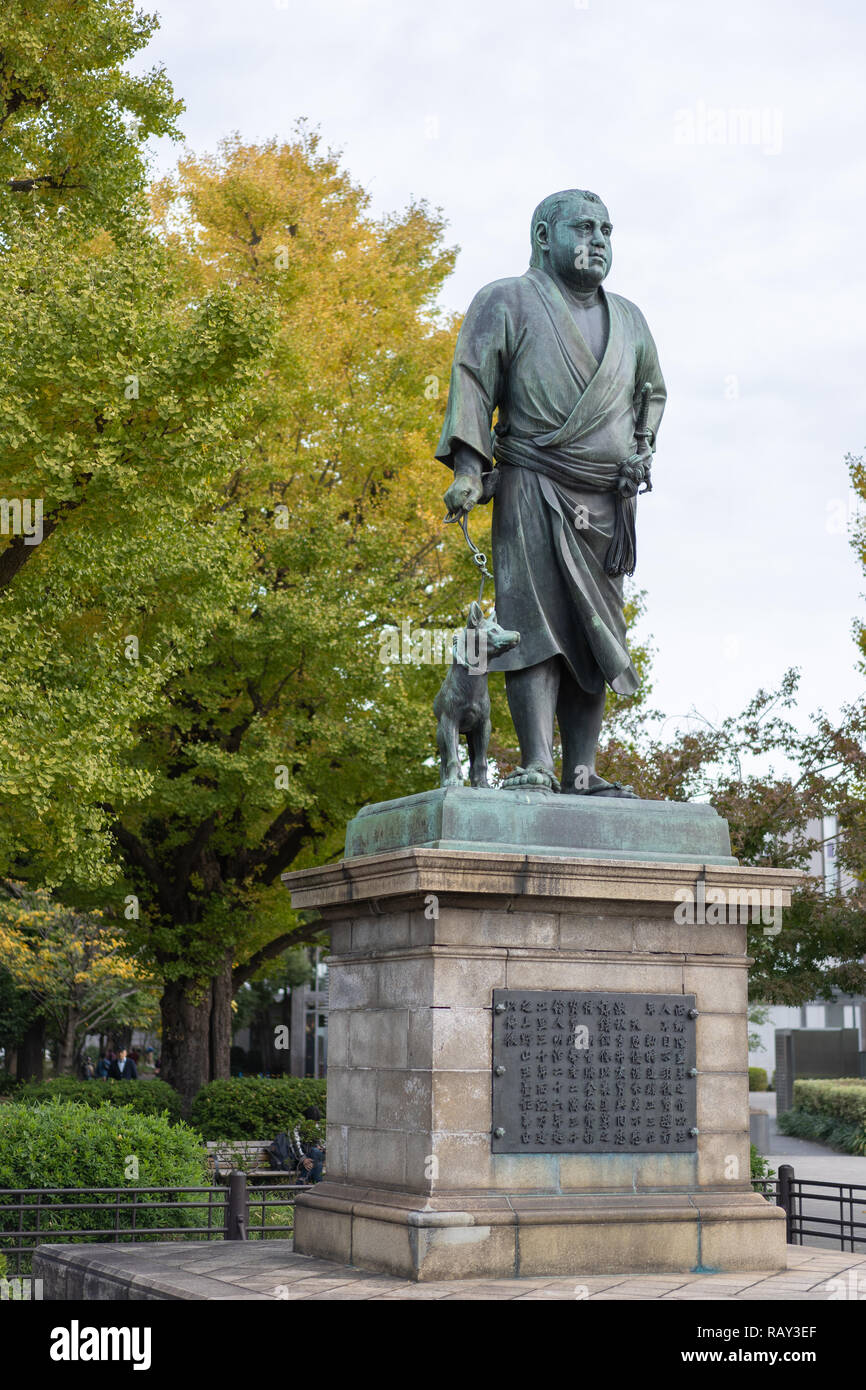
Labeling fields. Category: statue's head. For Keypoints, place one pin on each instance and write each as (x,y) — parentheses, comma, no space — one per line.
(570,235)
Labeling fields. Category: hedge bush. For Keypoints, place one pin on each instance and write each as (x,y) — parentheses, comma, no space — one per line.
(831,1112)
(757,1079)
(64,1144)
(842,1097)
(144,1097)
(760,1167)
(257,1107)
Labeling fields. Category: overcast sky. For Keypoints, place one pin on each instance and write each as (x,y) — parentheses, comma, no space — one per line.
(727,142)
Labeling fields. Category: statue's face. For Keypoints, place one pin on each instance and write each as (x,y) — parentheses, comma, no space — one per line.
(577,243)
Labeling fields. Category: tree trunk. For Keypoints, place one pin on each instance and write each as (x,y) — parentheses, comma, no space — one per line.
(185,1056)
(221,1021)
(196,1033)
(122,1037)
(31,1052)
(66,1047)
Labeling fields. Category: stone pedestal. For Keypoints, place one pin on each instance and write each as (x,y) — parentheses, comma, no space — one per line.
(421,938)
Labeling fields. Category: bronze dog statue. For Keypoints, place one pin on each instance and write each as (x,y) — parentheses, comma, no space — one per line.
(462,705)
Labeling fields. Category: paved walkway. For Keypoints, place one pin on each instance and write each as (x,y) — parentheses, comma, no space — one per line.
(270,1270)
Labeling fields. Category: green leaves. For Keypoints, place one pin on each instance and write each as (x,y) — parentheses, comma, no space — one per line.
(152,1097)
(833,1112)
(135,544)
(74,967)
(255,1107)
(73,118)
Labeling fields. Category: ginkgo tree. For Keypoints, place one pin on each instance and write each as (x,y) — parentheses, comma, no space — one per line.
(120,405)
(121,414)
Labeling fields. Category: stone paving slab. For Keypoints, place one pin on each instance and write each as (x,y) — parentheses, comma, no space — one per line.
(271,1270)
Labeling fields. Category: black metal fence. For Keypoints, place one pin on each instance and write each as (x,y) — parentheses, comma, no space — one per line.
(830,1214)
(234,1210)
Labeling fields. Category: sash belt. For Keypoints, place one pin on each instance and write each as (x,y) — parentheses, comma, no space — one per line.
(592,474)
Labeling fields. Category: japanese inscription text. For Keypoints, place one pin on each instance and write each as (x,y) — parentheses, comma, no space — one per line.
(589,1072)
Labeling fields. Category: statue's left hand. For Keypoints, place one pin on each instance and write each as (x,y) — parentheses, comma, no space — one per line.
(635,473)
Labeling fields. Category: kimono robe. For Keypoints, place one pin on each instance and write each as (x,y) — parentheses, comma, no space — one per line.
(566,422)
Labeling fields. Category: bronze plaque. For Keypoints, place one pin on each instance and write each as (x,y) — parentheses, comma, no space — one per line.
(577,1071)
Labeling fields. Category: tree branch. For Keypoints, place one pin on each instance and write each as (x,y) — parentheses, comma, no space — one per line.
(43,180)
(138,854)
(185,858)
(279,846)
(304,936)
(16,554)
(282,857)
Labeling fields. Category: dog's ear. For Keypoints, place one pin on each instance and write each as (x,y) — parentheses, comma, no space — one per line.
(476,617)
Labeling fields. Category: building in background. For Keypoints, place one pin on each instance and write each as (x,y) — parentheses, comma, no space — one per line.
(309,1027)
(290,1036)
(844,1010)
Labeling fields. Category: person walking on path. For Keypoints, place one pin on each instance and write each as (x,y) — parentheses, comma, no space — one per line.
(123,1068)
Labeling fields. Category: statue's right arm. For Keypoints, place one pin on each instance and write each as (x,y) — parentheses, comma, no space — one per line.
(477,381)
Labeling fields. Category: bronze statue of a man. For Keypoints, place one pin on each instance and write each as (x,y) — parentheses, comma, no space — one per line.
(568,367)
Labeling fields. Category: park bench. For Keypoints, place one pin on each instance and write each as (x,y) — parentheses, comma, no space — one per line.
(248,1155)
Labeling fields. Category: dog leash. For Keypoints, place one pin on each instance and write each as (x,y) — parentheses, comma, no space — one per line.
(478,556)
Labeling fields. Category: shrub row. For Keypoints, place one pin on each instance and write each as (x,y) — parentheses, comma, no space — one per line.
(242,1108)
(257,1107)
(843,1099)
(757,1079)
(830,1112)
(144,1097)
(86,1134)
(823,1129)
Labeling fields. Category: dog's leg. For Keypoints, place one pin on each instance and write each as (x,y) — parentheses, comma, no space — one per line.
(478,738)
(448,743)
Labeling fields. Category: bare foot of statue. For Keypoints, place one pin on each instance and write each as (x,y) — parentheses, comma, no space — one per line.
(597,786)
(533,775)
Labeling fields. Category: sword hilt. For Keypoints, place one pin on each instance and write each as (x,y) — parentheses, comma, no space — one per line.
(640,430)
